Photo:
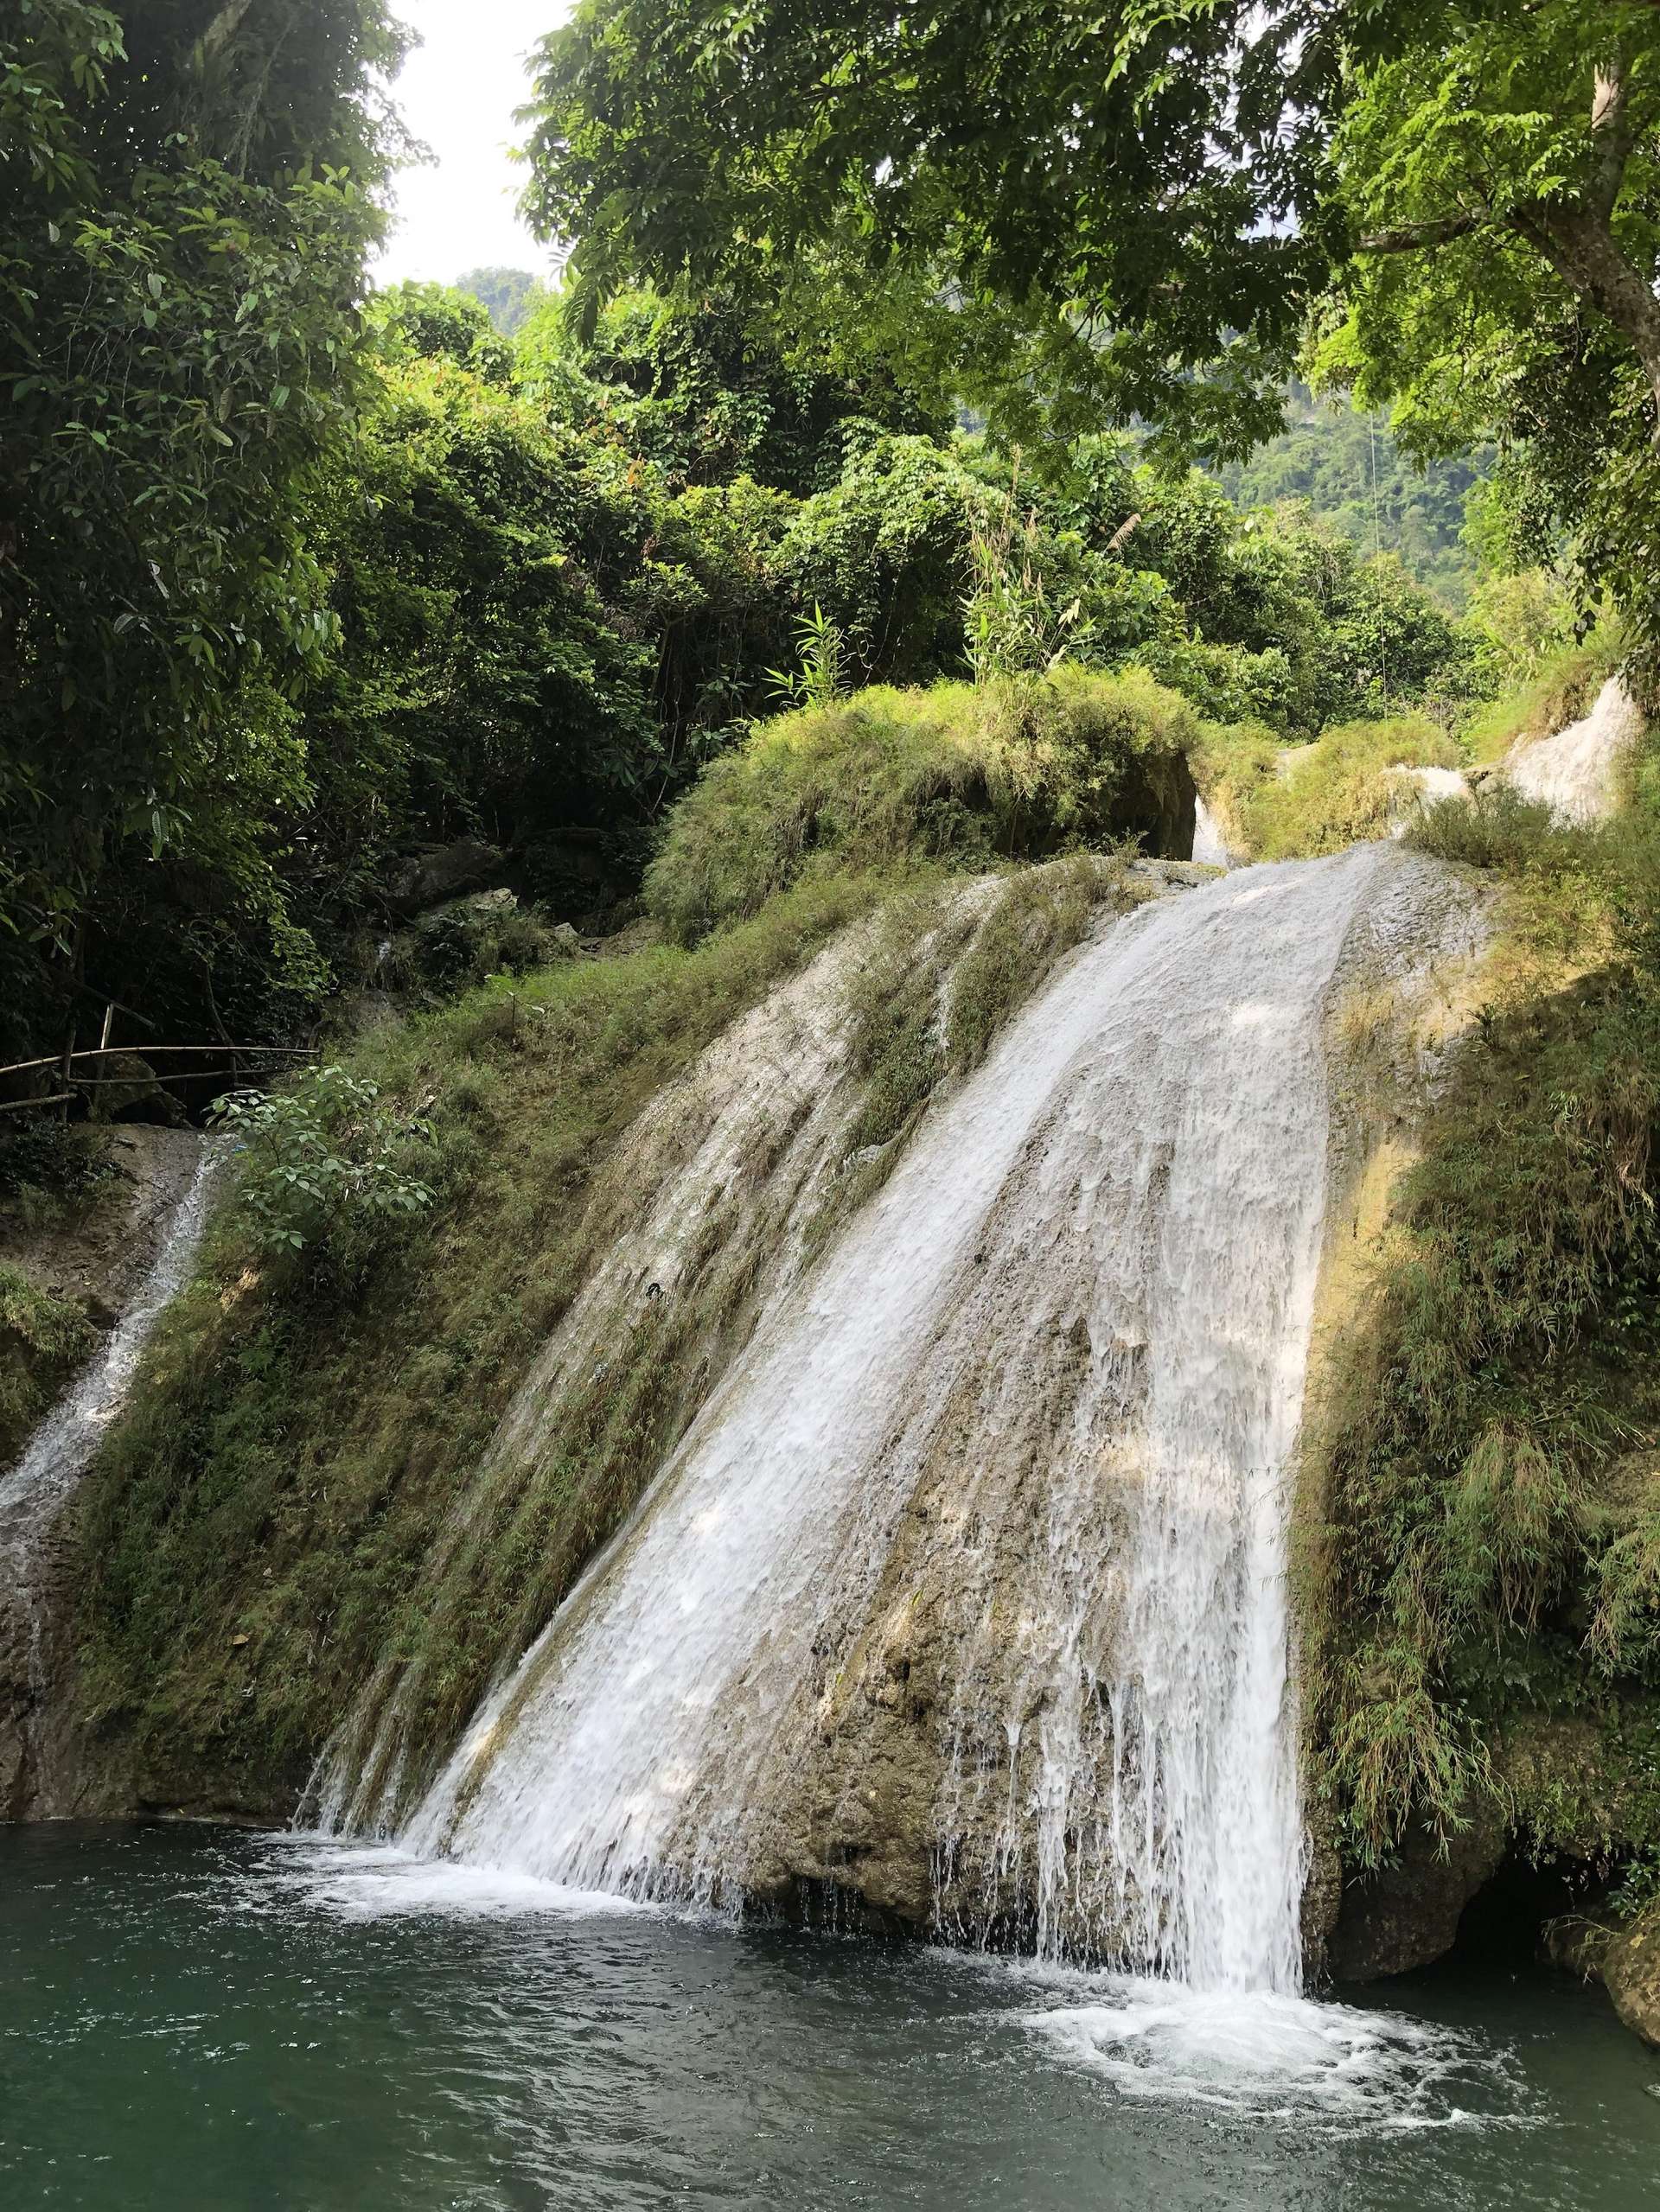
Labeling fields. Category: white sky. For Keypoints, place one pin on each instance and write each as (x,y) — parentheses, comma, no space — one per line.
(457,91)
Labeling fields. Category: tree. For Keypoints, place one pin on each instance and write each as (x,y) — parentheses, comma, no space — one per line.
(1109,199)
(1133,208)
(189,194)
(1509,156)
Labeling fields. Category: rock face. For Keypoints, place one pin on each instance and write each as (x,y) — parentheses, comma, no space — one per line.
(445,871)
(1630,1971)
(1408,1914)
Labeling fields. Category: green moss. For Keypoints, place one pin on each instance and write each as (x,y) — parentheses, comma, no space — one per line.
(43,1340)
(1491,1551)
(1008,770)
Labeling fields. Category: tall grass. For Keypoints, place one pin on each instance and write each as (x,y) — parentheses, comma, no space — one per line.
(1011,769)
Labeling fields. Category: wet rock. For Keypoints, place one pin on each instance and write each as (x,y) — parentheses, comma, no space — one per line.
(1631,1971)
(1407,1914)
(128,1090)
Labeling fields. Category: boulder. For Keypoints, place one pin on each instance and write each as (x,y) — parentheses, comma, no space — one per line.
(444,871)
(1407,1914)
(128,1090)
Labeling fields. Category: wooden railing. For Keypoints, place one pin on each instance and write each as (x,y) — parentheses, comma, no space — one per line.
(75,1086)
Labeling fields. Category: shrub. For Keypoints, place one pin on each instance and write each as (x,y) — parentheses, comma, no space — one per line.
(1006,770)
(43,1339)
(318,1155)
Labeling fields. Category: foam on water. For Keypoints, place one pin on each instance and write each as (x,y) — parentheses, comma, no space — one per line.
(1268,2055)
(367,1882)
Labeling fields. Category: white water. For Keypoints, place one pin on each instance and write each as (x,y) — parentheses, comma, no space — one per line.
(1139,1167)
(1209,847)
(1576,771)
(57,1454)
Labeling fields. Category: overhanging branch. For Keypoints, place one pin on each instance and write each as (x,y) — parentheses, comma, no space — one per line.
(1416,237)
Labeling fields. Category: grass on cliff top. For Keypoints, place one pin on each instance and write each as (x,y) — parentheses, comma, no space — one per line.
(1275,802)
(1490,1554)
(891,778)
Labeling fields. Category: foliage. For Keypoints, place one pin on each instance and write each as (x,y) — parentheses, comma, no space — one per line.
(186,220)
(702,390)
(817,681)
(317,1154)
(1105,206)
(1499,171)
(49,1168)
(1013,629)
(1133,213)
(43,1338)
(482,685)
(1348,469)
(508,296)
(1007,769)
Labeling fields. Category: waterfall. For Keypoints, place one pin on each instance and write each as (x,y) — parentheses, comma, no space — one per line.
(1209,847)
(35,1491)
(1575,772)
(974,1561)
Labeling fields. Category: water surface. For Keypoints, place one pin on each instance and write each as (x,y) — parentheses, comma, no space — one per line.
(193,2019)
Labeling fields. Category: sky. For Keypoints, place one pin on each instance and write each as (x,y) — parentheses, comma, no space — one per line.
(458,93)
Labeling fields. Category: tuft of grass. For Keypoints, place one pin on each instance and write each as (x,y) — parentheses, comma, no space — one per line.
(1015,769)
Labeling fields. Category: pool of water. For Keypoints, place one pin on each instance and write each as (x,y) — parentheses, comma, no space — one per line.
(192,2019)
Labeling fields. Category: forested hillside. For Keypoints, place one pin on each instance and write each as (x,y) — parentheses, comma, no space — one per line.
(1354,477)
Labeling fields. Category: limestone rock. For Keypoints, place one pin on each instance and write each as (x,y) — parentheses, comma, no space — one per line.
(1630,1970)
(444,871)
(1407,1914)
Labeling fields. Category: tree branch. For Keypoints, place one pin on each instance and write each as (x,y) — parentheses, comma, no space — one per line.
(1416,237)
(1612,132)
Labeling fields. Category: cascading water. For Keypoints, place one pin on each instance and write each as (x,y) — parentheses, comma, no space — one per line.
(35,1491)
(1575,771)
(975,1561)
(1209,847)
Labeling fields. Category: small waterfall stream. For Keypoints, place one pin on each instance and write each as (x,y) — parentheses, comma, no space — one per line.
(34,1491)
(1027,1432)
(1575,772)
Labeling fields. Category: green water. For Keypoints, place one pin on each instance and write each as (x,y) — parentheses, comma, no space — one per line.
(192,2020)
